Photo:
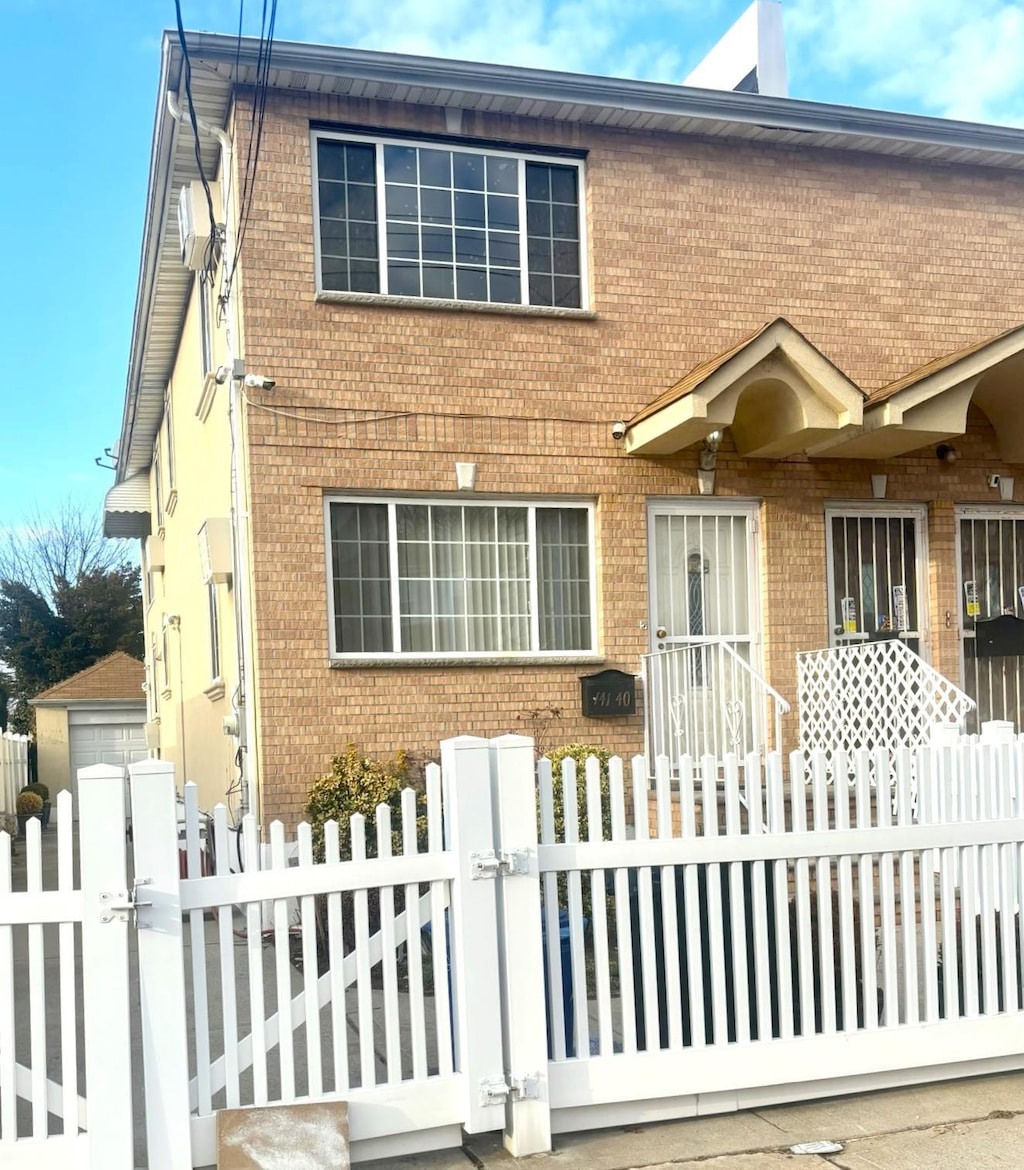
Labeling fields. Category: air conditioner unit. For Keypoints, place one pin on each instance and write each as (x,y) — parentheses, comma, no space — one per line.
(215,550)
(194,227)
(155,558)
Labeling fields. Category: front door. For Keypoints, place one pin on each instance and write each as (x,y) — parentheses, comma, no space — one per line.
(877,574)
(704,586)
(991,558)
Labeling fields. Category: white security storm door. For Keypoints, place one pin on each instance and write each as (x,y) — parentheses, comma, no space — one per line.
(991,559)
(877,573)
(704,585)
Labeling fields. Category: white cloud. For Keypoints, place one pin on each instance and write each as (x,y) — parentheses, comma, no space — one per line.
(644,39)
(944,57)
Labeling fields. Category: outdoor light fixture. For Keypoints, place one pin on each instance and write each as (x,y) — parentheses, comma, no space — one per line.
(945,453)
(1006,487)
(878,483)
(707,459)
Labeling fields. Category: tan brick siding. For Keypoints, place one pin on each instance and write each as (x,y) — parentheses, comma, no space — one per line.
(882,263)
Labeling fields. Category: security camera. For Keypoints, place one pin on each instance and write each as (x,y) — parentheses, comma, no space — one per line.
(618,430)
(257,382)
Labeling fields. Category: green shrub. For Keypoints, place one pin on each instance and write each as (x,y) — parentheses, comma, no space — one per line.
(357,784)
(580,752)
(29,803)
(39,789)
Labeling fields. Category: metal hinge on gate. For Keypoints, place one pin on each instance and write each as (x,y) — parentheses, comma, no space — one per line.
(125,906)
(495,1090)
(488,864)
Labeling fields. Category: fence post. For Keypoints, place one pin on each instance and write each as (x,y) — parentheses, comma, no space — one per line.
(521,958)
(105,999)
(161,965)
(469,830)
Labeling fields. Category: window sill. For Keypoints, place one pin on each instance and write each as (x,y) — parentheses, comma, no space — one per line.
(215,691)
(327,296)
(395,661)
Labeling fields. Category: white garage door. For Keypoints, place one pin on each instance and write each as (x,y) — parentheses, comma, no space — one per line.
(103,743)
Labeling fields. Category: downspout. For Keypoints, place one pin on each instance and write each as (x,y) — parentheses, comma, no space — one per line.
(244,707)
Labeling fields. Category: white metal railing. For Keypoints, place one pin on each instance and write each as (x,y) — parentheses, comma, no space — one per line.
(705,699)
(874,694)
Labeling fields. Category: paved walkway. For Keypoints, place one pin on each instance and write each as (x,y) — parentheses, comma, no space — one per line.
(974,1125)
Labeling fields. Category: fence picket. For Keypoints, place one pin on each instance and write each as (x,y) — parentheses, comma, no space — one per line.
(336,957)
(577,953)
(737,904)
(310,971)
(439,928)
(717,942)
(670,923)
(776,802)
(364,989)
(926,771)
(66,969)
(599,911)
(866,893)
(36,981)
(623,923)
(197,936)
(8,1098)
(844,898)
(802,898)
(254,956)
(762,961)
(645,913)
(823,898)
(283,971)
(389,970)
(552,916)
(226,940)
(413,944)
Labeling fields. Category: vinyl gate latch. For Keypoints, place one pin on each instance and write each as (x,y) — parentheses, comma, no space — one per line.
(495,1090)
(488,864)
(124,907)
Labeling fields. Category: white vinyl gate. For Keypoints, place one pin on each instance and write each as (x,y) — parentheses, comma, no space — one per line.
(707,946)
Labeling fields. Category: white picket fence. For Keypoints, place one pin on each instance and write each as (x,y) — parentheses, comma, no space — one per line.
(746,932)
(13,769)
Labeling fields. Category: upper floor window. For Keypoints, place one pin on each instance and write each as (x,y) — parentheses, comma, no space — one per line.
(409,577)
(452,223)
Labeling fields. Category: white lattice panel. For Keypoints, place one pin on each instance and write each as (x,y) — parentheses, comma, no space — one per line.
(873,695)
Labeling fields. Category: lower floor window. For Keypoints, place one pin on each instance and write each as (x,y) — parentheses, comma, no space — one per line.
(447,579)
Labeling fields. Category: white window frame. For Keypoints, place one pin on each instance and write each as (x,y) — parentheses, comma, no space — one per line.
(213,603)
(880,510)
(469,656)
(523,157)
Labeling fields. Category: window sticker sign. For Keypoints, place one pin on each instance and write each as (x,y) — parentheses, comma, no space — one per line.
(971,598)
(848,607)
(900,616)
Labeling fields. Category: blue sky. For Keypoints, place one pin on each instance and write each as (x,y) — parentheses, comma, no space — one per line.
(77,96)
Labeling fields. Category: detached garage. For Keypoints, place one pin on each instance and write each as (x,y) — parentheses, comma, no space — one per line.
(97,716)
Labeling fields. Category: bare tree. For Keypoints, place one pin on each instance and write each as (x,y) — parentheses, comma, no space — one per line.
(57,548)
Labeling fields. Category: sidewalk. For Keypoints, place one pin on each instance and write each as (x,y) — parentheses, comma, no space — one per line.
(975,1124)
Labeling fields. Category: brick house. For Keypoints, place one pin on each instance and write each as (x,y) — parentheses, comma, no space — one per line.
(565,371)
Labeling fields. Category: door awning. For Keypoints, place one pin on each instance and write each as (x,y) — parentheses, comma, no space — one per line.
(929,405)
(126,509)
(778,393)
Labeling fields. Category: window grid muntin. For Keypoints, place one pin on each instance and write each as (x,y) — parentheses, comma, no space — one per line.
(531,507)
(523,159)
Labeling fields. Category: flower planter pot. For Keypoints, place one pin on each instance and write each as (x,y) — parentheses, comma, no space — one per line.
(23,820)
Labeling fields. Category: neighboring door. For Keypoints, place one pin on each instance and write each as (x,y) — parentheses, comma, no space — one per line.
(877,574)
(991,559)
(704,584)
(105,737)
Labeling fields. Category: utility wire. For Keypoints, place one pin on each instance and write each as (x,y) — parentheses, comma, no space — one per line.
(209,260)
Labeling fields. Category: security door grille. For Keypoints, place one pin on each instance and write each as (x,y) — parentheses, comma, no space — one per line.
(875,568)
(991,584)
